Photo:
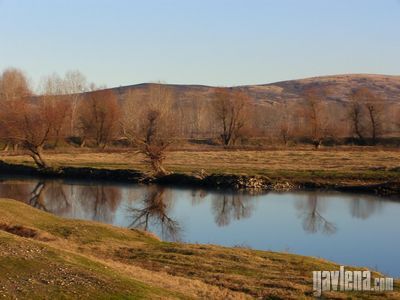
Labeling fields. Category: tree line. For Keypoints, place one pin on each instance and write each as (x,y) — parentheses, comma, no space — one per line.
(69,109)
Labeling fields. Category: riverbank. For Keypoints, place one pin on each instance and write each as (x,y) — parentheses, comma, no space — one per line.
(363,171)
(44,256)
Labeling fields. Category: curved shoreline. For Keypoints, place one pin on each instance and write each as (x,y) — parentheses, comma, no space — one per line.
(250,183)
(103,261)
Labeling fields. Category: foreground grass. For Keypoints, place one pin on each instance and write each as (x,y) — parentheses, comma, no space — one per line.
(334,165)
(44,256)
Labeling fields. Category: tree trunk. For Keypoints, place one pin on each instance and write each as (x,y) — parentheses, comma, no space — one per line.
(358,133)
(158,168)
(83,143)
(317,144)
(57,140)
(37,157)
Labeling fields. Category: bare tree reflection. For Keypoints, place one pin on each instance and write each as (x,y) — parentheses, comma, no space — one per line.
(89,202)
(198,196)
(37,198)
(234,206)
(154,211)
(45,195)
(18,190)
(57,195)
(102,201)
(364,208)
(313,221)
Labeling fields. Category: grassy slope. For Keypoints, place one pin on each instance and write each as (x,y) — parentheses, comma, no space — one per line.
(66,258)
(335,165)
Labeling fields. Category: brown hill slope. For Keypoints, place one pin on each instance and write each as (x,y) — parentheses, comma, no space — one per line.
(274,100)
(388,87)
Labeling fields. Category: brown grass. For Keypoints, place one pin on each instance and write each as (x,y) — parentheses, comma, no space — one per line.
(111,259)
(346,164)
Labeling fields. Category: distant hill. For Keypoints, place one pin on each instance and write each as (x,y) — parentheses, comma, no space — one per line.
(387,87)
(274,100)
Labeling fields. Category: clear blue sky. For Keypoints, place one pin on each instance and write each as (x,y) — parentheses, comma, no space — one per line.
(214,42)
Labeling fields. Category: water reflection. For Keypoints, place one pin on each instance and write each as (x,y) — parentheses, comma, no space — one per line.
(364,208)
(19,190)
(153,212)
(346,228)
(101,201)
(150,207)
(311,212)
(197,196)
(37,196)
(228,207)
(94,202)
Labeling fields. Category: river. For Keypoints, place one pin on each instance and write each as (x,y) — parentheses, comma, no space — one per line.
(350,229)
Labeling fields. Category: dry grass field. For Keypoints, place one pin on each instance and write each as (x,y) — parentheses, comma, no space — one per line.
(47,257)
(340,164)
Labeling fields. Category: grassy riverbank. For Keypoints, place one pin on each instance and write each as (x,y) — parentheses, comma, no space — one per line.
(44,256)
(344,166)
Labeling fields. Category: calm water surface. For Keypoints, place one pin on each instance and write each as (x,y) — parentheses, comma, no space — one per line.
(350,229)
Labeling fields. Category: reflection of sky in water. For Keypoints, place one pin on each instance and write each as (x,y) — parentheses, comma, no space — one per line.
(346,228)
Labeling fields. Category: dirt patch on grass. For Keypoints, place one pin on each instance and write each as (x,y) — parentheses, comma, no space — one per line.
(26,232)
(19,230)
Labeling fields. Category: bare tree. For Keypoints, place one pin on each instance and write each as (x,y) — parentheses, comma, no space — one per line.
(27,120)
(14,87)
(366,108)
(285,126)
(52,84)
(74,85)
(356,115)
(375,109)
(71,88)
(32,123)
(397,119)
(150,126)
(230,108)
(315,115)
(99,117)
(53,93)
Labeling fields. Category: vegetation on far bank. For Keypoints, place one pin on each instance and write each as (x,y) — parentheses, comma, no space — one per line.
(44,256)
(149,120)
(339,166)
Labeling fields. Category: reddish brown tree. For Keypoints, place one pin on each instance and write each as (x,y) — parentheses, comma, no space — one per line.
(14,86)
(31,122)
(315,115)
(151,126)
(356,115)
(375,110)
(99,117)
(53,94)
(366,114)
(231,111)
(25,120)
